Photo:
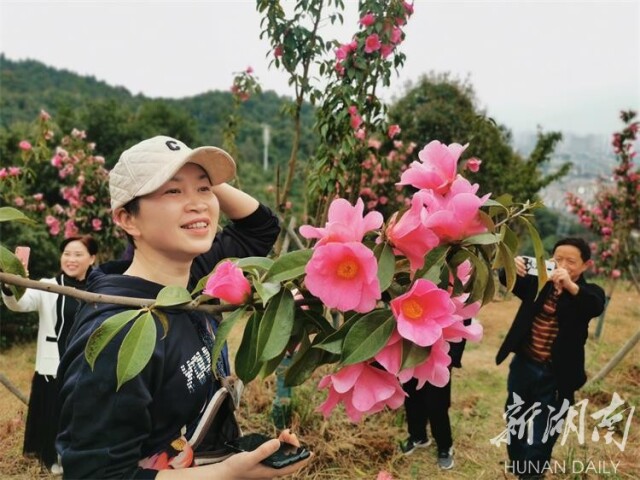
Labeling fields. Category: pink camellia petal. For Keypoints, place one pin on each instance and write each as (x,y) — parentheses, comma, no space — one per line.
(344,276)
(437,167)
(390,357)
(228,283)
(373,390)
(435,369)
(345,223)
(345,379)
(410,236)
(459,331)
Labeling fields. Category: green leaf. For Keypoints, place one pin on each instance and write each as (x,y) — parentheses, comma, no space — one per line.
(268,367)
(506,259)
(136,349)
(266,290)
(386,264)
(412,354)
(260,263)
(368,336)
(481,239)
(201,284)
(9,263)
(247,366)
(509,237)
(171,296)
(538,248)
(433,263)
(225,327)
(479,279)
(102,335)
(333,342)
(305,361)
(288,266)
(276,326)
(10,214)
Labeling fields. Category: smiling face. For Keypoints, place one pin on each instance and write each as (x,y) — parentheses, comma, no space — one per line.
(569,258)
(179,220)
(76,260)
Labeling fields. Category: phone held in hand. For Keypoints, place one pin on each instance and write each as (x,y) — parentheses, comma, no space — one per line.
(23,253)
(286,455)
(531,266)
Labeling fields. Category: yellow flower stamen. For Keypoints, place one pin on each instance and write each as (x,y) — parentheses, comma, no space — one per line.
(412,309)
(347,269)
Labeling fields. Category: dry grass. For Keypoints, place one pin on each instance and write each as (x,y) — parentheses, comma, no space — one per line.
(359,451)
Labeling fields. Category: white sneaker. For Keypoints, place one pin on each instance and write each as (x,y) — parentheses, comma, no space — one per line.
(56,469)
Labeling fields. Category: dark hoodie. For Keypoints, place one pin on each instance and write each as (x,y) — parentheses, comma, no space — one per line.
(104,433)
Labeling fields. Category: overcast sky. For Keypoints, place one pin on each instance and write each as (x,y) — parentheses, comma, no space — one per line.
(568,66)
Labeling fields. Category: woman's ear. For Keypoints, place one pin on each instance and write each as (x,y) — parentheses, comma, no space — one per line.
(126,221)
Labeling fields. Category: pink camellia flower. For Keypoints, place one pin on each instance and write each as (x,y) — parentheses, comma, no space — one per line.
(96,224)
(360,134)
(38,197)
(44,115)
(18,201)
(393,130)
(423,312)
(386,50)
(344,276)
(70,229)
(345,223)
(436,169)
(473,164)
(375,144)
(24,145)
(410,236)
(615,273)
(396,35)
(53,223)
(367,20)
(408,7)
(228,283)
(4,173)
(356,121)
(372,43)
(604,230)
(249,70)
(363,389)
(14,171)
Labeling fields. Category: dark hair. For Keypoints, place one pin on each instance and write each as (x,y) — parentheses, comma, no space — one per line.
(132,207)
(87,240)
(579,243)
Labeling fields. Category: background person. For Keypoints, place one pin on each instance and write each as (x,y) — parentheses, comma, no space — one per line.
(55,318)
(547,337)
(167,198)
(429,405)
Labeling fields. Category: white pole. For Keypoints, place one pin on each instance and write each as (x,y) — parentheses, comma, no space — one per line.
(265,139)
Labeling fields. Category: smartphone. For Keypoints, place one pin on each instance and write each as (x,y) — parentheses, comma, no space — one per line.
(23,253)
(531,266)
(286,454)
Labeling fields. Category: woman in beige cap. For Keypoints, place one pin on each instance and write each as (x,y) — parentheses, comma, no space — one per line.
(167,198)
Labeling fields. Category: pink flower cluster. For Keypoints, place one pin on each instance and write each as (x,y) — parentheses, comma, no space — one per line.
(342,273)
(445,209)
(380,35)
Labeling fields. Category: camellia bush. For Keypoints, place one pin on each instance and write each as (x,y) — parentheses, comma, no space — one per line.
(614,215)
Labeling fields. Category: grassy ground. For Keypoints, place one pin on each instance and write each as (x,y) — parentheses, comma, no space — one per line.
(359,451)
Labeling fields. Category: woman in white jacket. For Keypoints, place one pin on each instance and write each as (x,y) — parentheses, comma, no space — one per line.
(56,314)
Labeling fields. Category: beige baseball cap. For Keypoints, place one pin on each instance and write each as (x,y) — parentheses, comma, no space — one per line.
(146,166)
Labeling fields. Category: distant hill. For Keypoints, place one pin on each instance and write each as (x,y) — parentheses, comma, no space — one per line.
(115,119)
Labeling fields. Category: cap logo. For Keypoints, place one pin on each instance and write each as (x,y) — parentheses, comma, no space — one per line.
(172,145)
